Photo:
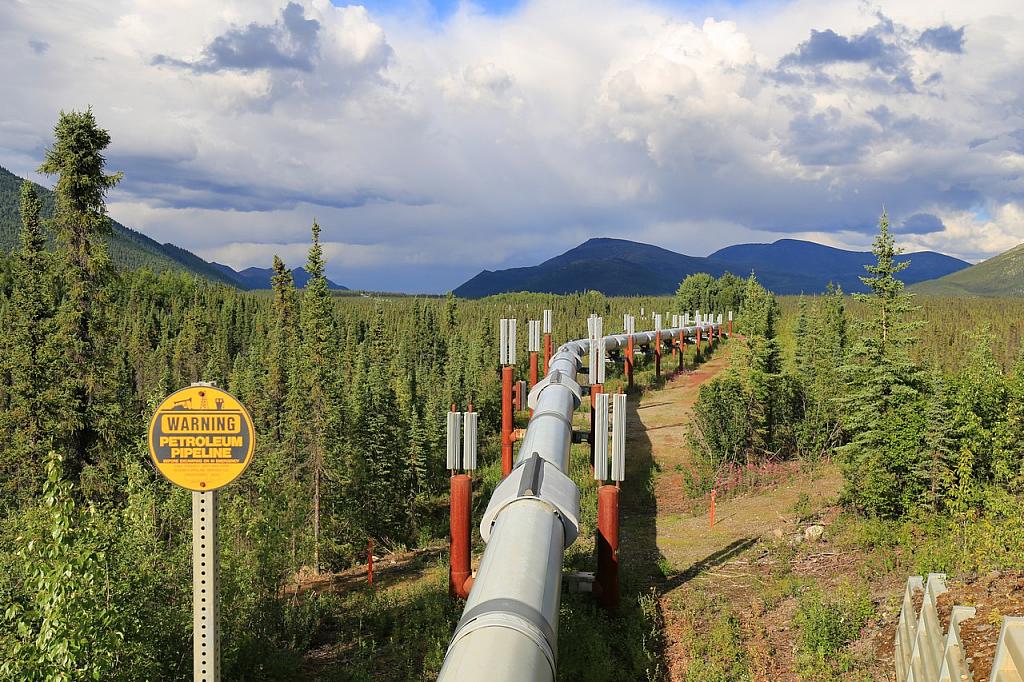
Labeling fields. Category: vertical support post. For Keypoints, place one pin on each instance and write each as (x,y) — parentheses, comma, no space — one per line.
(459,541)
(657,354)
(657,345)
(730,324)
(533,346)
(205,603)
(607,578)
(720,329)
(608,512)
(682,349)
(698,338)
(369,562)
(595,390)
(630,325)
(506,420)
(546,326)
(599,428)
(713,507)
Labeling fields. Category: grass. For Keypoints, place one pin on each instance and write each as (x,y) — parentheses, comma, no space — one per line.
(711,634)
(827,624)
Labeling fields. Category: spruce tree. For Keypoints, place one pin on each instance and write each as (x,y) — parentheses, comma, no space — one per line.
(387,477)
(80,221)
(883,386)
(34,412)
(321,409)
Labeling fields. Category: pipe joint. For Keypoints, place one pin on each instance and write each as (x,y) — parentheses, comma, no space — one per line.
(536,479)
(554,378)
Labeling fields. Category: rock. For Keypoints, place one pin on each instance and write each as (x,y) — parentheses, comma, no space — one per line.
(777,533)
(814,532)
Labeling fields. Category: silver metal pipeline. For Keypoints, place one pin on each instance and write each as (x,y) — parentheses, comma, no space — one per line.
(509,628)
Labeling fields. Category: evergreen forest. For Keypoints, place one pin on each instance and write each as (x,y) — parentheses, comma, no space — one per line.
(919,400)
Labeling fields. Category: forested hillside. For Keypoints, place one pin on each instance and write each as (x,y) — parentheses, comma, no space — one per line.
(127,248)
(1001,275)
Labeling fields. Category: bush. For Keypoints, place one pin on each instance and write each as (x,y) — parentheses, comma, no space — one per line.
(827,624)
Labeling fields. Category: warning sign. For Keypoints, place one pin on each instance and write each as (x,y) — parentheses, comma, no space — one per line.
(201,438)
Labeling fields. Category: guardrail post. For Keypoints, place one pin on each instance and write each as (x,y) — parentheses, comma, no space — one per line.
(730,324)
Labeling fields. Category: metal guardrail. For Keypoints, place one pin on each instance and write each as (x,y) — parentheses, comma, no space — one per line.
(924,653)
(1008,665)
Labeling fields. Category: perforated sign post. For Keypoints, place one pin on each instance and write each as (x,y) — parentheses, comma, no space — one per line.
(202,438)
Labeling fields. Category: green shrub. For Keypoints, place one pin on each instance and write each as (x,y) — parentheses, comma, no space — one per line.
(827,623)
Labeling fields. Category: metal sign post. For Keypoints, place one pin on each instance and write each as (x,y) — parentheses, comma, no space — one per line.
(205,604)
(202,438)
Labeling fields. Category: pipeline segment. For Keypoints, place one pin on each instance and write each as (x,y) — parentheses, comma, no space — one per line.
(509,628)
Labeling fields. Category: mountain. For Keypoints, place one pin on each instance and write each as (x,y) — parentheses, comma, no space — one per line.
(616,267)
(619,267)
(823,264)
(1001,275)
(131,249)
(259,278)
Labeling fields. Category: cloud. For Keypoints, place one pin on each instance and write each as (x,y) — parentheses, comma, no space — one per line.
(290,43)
(39,46)
(431,149)
(882,50)
(943,39)
(872,47)
(921,223)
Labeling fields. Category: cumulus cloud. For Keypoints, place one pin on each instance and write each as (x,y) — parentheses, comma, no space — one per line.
(921,223)
(290,43)
(943,39)
(429,149)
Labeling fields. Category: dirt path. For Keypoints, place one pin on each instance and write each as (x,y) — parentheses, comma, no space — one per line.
(667,541)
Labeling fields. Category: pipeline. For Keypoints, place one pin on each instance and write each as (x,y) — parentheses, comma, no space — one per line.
(509,628)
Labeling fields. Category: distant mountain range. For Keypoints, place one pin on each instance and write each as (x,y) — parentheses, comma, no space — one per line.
(259,278)
(618,267)
(1001,275)
(132,249)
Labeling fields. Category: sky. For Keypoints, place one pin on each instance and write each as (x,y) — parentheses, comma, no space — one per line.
(432,140)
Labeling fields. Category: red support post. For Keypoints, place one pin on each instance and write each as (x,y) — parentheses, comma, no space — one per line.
(712,507)
(730,329)
(720,331)
(533,374)
(607,579)
(682,350)
(657,354)
(460,523)
(698,339)
(547,353)
(369,562)
(629,363)
(506,420)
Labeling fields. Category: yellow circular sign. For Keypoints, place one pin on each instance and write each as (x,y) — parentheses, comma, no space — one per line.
(201,438)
